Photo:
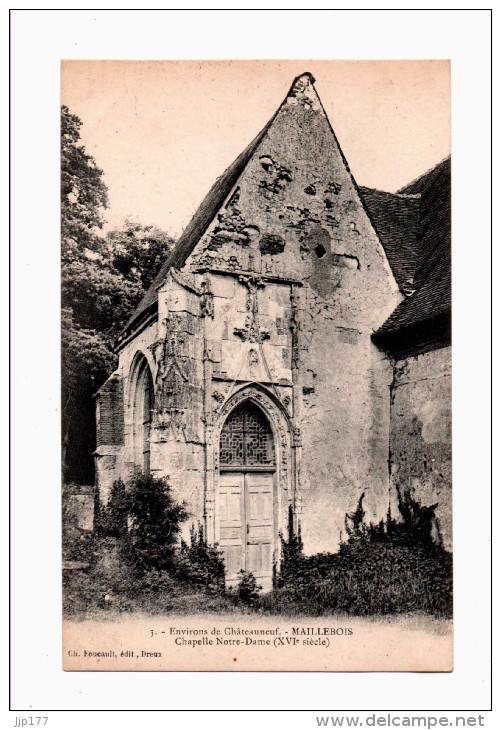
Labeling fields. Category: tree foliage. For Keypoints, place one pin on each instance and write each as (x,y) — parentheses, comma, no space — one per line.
(137,252)
(83,192)
(354,521)
(102,280)
(247,587)
(154,523)
(393,566)
(200,563)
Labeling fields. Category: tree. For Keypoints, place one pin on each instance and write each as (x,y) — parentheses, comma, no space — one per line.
(102,281)
(83,192)
(137,252)
(86,360)
(101,298)
(154,523)
(85,351)
(292,563)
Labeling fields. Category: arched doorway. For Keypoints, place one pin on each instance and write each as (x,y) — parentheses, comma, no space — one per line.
(247,519)
(142,406)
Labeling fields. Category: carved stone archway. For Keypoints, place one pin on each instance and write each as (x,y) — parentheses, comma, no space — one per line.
(283,436)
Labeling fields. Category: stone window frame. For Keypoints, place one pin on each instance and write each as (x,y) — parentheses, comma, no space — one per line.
(141,396)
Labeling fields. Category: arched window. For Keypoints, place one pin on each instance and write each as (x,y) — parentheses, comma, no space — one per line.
(246,438)
(142,405)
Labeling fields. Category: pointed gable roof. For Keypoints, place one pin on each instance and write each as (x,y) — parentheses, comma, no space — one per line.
(411,226)
(211,204)
(302,92)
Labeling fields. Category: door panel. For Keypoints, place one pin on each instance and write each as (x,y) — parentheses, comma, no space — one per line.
(259,518)
(259,558)
(231,521)
(246,524)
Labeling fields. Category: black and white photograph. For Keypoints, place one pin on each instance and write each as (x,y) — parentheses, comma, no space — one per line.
(257,411)
(251,369)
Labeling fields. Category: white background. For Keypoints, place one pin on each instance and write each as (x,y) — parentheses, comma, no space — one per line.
(40,39)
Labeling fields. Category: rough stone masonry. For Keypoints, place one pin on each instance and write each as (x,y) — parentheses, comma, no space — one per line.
(250,374)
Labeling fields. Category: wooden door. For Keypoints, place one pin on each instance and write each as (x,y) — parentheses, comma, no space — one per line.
(259,524)
(232,522)
(246,524)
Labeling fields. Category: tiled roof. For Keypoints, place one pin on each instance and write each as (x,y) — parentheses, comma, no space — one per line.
(432,280)
(396,220)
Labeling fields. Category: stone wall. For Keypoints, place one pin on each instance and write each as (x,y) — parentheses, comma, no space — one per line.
(420,445)
(280,295)
(115,460)
(278,299)
(78,503)
(110,412)
(177,443)
(295,217)
(345,434)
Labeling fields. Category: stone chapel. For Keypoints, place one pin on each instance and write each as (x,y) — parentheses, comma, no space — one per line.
(293,351)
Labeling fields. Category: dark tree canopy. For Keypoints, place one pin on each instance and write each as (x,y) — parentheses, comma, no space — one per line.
(102,280)
(83,192)
(137,252)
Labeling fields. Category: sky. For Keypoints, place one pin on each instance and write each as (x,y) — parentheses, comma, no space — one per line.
(163,131)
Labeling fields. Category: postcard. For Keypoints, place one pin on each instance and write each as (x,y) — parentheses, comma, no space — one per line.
(256,380)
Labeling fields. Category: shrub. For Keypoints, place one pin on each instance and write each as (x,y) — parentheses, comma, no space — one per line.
(369,578)
(415,526)
(154,521)
(354,524)
(377,578)
(137,559)
(78,544)
(417,522)
(106,583)
(200,563)
(292,558)
(248,589)
(155,581)
(113,518)
(390,567)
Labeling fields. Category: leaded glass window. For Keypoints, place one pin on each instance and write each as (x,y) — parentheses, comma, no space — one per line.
(246,438)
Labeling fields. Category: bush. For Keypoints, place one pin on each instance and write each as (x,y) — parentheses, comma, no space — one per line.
(113,517)
(394,566)
(292,562)
(248,589)
(104,584)
(78,545)
(416,525)
(377,578)
(136,559)
(154,521)
(417,522)
(200,563)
